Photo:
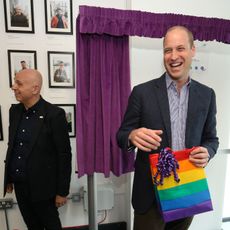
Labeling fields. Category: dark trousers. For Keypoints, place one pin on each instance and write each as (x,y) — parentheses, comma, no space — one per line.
(37,215)
(152,220)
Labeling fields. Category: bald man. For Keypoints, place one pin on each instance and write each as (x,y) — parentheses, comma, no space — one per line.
(38,159)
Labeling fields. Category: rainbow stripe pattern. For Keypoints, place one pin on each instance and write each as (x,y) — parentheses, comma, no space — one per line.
(188,197)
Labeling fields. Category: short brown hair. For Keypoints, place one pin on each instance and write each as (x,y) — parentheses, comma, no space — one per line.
(190,35)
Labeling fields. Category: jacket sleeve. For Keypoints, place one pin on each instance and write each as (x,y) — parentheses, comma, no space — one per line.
(209,136)
(130,121)
(61,141)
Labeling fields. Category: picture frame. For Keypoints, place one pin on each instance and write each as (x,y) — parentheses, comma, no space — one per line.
(61,69)
(70,110)
(1,129)
(19,60)
(19,16)
(58,16)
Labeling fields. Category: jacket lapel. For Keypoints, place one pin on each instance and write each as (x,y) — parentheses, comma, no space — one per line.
(194,106)
(162,97)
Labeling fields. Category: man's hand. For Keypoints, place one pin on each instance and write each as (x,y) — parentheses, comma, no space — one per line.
(60,201)
(145,139)
(9,188)
(199,157)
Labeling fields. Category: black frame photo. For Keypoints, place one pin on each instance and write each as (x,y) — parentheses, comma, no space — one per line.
(19,16)
(19,60)
(61,69)
(58,16)
(1,129)
(70,110)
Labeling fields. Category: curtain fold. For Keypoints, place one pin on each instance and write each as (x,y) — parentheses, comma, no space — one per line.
(103,87)
(129,22)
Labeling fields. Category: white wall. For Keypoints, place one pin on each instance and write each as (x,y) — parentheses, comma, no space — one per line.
(204,8)
(146,63)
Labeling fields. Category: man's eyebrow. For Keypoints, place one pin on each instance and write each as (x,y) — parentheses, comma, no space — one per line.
(167,49)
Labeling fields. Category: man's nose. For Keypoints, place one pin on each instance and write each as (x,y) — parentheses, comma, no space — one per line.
(174,55)
(14,86)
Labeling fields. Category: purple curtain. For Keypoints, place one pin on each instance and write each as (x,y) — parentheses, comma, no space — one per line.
(103,87)
(129,22)
(103,76)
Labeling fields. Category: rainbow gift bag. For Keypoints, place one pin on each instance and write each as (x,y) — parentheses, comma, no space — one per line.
(181,187)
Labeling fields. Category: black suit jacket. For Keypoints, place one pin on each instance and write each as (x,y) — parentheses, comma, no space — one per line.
(48,164)
(149,107)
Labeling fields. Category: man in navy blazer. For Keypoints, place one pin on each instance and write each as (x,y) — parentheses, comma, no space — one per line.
(38,159)
(171,111)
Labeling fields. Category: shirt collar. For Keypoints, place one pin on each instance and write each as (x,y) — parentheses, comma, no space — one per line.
(34,108)
(170,81)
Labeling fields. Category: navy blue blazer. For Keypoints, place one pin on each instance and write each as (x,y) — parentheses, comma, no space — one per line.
(148,107)
(48,164)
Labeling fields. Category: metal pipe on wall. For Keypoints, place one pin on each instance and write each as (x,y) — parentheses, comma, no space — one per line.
(92,201)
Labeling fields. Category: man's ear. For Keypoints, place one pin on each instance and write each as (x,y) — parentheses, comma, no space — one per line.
(36,89)
(193,50)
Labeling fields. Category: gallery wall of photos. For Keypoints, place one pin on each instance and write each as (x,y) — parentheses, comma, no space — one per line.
(47,45)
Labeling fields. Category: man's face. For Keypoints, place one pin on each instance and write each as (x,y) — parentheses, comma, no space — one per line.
(61,66)
(23,88)
(178,54)
(23,64)
(18,10)
(59,12)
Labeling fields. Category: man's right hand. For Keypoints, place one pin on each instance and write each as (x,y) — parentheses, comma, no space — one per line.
(9,188)
(145,139)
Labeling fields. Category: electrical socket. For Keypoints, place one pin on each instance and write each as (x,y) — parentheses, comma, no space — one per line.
(6,203)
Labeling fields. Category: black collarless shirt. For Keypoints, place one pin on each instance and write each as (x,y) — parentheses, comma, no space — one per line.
(22,143)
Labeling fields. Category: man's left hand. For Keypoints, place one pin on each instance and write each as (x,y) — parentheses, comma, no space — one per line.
(60,201)
(199,157)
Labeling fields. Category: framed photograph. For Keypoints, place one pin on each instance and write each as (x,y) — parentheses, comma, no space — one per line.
(19,17)
(70,111)
(61,69)
(1,130)
(19,60)
(58,14)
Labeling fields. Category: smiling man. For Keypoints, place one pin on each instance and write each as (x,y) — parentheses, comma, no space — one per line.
(179,50)
(171,111)
(38,159)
